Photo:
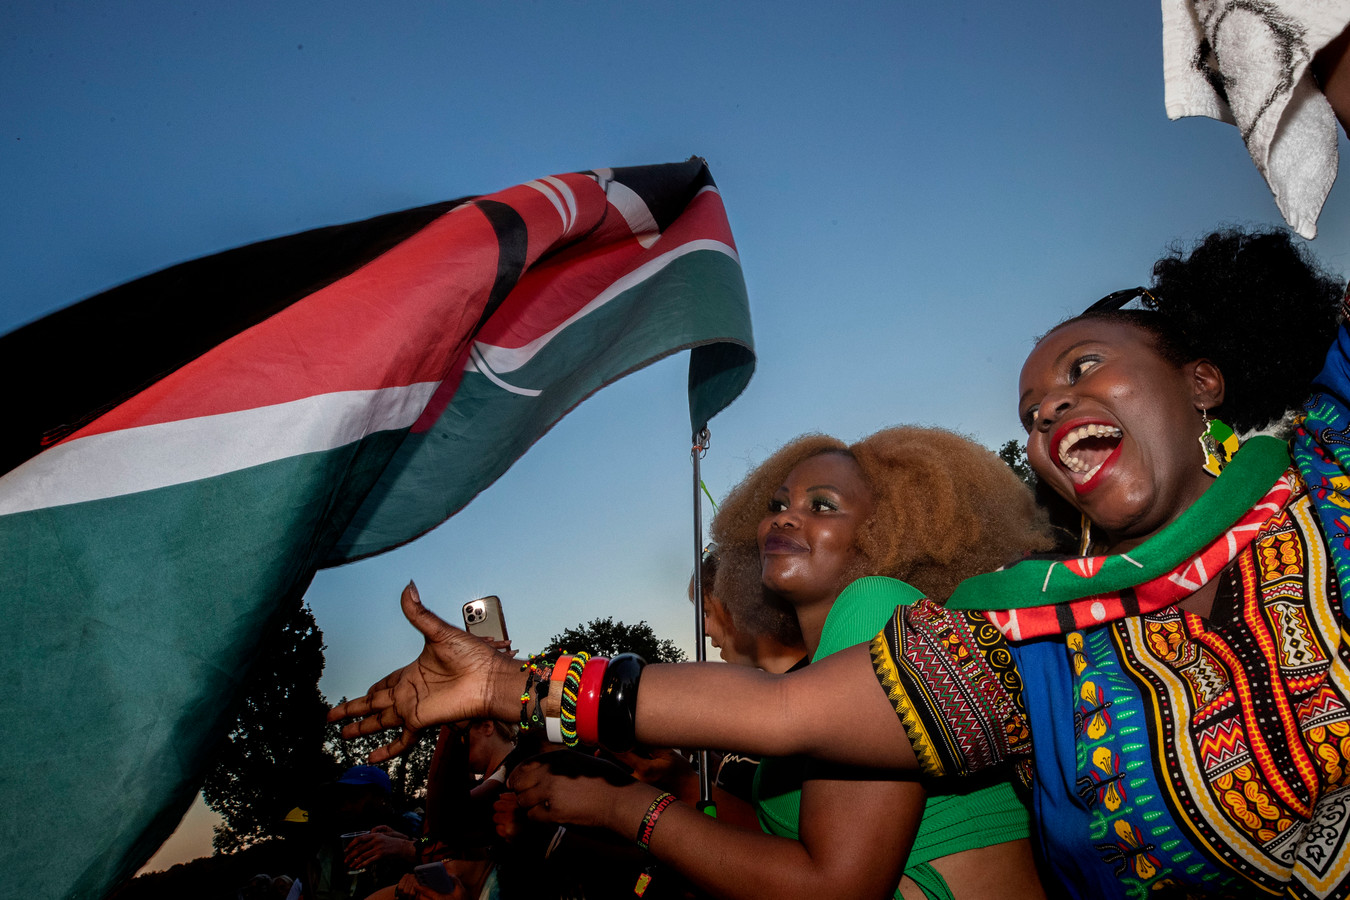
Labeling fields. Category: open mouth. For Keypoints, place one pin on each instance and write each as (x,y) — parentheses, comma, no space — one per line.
(1086,448)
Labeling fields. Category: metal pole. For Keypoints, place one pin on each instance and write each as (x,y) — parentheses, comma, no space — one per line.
(700,448)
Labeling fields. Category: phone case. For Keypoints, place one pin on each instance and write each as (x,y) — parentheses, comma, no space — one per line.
(434,876)
(483,618)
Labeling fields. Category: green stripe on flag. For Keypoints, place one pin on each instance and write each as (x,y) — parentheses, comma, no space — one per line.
(486,427)
(171,590)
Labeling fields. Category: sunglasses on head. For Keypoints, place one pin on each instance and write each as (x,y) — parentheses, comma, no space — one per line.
(1119,299)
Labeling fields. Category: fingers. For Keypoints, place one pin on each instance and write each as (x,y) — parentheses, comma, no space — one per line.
(351,709)
(504,815)
(532,792)
(378,697)
(524,775)
(395,747)
(361,851)
(407,888)
(382,721)
(542,812)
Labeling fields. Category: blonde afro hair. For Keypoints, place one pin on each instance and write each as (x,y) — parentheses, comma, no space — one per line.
(945,508)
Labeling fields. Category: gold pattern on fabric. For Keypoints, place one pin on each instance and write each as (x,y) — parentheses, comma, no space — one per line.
(1252,716)
(953,682)
(888,673)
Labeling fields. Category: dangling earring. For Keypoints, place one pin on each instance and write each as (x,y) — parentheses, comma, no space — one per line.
(1218,443)
(1085,538)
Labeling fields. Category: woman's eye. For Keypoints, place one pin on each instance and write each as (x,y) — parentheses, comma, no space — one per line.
(1081,367)
(820,504)
(1029,419)
(776,505)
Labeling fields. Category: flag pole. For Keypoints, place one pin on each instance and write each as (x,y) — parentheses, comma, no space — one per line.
(700,448)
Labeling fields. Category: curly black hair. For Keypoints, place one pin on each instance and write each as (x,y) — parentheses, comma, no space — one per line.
(1254,303)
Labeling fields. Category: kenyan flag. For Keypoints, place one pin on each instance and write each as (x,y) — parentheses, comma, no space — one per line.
(195,444)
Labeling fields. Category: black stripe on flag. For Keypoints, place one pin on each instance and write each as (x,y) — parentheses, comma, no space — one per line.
(70,367)
(513,242)
(654,184)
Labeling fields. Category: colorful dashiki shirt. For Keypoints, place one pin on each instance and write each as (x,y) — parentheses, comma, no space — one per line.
(1212,754)
(1174,756)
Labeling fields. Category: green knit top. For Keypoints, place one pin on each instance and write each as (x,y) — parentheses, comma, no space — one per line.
(952,822)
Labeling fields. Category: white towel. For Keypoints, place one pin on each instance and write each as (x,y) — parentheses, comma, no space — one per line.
(1247,62)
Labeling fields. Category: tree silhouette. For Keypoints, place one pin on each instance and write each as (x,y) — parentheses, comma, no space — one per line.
(1014,453)
(605,637)
(1065,521)
(274,754)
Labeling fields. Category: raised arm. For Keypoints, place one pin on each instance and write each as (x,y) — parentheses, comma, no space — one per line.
(832,710)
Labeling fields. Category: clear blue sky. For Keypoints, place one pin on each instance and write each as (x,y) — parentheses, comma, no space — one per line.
(916,190)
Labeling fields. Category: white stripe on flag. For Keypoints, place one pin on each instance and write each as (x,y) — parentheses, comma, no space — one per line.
(508,359)
(169,453)
(568,197)
(553,198)
(634,211)
(478,364)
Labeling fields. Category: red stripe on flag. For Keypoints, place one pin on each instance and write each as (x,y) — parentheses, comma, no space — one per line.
(540,304)
(351,335)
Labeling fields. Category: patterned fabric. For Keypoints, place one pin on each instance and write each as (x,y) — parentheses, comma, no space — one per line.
(1210,754)
(1321,449)
(1037,597)
(964,819)
(1172,754)
(1154,594)
(954,688)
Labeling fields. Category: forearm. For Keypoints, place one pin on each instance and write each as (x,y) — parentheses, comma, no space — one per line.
(724,860)
(855,838)
(691,705)
(803,713)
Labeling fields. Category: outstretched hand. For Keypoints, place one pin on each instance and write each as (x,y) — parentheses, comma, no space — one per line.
(456,676)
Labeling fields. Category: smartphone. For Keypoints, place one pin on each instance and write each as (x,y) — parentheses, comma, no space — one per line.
(434,876)
(483,618)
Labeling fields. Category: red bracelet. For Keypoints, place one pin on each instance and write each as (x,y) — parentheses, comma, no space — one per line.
(644,837)
(588,701)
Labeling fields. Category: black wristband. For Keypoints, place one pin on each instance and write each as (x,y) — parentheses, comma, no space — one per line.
(617,713)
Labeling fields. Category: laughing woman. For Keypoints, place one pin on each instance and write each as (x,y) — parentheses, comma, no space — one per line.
(1180,698)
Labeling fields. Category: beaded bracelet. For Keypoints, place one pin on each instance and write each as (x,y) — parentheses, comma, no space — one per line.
(644,835)
(571,684)
(526,720)
(588,701)
(541,693)
(616,717)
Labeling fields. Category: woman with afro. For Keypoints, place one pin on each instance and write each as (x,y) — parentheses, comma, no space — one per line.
(839,534)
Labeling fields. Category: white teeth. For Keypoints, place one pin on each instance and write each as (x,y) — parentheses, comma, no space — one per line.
(1082,432)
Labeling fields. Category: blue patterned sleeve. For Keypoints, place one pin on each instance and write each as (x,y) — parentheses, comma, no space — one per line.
(1321,450)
